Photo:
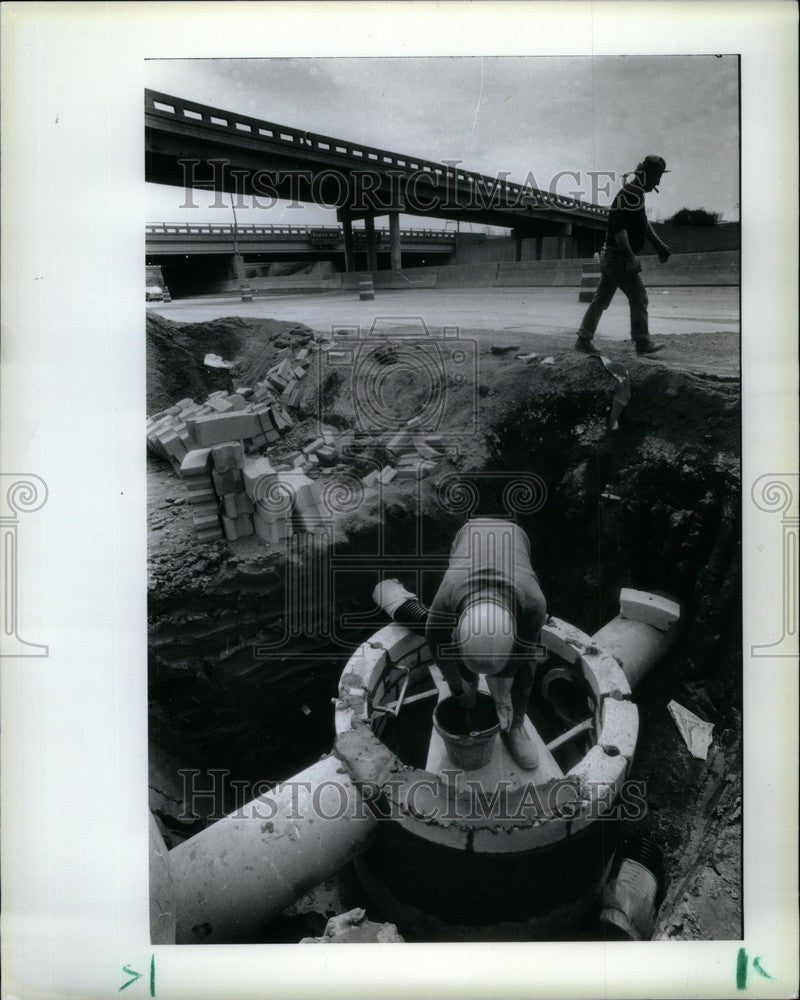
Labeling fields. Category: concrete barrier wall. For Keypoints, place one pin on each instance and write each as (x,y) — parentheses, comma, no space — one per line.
(413,277)
(284,284)
(492,250)
(540,273)
(680,239)
(467,275)
(696,239)
(715,268)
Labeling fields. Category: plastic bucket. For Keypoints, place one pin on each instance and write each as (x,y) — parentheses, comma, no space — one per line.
(468,735)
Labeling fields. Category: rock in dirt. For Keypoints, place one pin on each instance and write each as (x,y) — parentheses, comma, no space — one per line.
(353,927)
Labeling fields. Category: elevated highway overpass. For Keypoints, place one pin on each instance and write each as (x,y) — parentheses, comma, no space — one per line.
(279,243)
(192,145)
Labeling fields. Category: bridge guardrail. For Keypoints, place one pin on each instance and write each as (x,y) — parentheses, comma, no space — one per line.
(169,107)
(244,230)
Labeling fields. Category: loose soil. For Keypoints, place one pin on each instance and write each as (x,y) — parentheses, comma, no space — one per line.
(235,683)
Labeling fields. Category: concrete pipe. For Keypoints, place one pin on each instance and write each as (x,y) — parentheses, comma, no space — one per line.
(162,891)
(245,870)
(636,645)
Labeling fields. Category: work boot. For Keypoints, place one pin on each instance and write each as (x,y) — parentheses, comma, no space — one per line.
(648,346)
(521,748)
(585,346)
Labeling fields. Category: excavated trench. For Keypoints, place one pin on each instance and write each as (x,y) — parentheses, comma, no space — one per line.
(242,682)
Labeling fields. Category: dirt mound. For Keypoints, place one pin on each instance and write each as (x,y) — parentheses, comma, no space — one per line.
(175,353)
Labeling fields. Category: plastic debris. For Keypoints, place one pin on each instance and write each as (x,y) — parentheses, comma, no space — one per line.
(623,393)
(696,732)
(548,361)
(526,357)
(215,361)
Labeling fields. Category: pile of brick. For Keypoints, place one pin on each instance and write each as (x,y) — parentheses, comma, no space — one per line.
(256,416)
(233,493)
(218,502)
(413,453)
(285,501)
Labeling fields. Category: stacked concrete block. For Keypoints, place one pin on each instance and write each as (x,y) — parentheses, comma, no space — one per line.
(346,442)
(371,478)
(283,422)
(196,463)
(252,416)
(414,452)
(237,527)
(168,433)
(306,514)
(313,446)
(274,529)
(227,475)
(201,497)
(257,474)
(227,456)
(234,504)
(399,444)
(220,427)
(272,520)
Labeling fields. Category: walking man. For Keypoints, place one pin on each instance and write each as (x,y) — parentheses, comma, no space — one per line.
(628,229)
(485,620)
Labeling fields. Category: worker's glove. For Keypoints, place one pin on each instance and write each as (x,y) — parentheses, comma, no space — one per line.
(632,266)
(664,253)
(466,694)
(390,595)
(500,688)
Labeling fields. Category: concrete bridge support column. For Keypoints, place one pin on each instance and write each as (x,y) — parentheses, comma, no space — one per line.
(372,246)
(349,247)
(241,277)
(394,241)
(562,247)
(539,244)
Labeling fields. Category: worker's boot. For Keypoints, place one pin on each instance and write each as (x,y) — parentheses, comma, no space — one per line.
(648,346)
(585,345)
(521,747)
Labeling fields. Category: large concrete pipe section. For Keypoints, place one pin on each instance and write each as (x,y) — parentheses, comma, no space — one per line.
(162,891)
(243,871)
(641,634)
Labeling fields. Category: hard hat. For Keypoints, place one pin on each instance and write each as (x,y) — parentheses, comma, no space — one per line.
(485,636)
(653,165)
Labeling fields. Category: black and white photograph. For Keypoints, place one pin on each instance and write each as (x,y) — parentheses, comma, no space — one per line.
(399,500)
(444,594)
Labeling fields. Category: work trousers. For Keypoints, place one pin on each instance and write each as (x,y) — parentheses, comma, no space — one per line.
(521,692)
(613,276)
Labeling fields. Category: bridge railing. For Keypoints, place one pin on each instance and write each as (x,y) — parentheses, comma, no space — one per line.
(166,106)
(254,230)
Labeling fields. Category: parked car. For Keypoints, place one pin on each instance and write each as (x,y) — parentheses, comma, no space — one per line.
(154,293)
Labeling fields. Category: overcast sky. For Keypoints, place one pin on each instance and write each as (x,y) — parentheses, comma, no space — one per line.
(522,115)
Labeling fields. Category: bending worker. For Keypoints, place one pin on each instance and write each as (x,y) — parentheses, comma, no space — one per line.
(485,620)
(628,229)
